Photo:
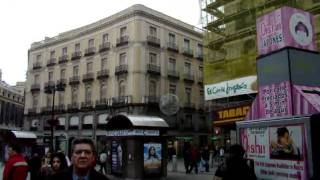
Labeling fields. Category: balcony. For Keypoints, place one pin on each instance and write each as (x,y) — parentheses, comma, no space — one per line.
(62,82)
(86,105)
(73,106)
(173,47)
(51,62)
(121,69)
(74,80)
(36,65)
(103,74)
(59,108)
(153,69)
(49,85)
(104,47)
(32,111)
(150,100)
(173,74)
(89,77)
(76,55)
(102,103)
(46,109)
(153,41)
(189,105)
(35,87)
(124,40)
(90,51)
(188,52)
(121,100)
(200,57)
(63,59)
(188,77)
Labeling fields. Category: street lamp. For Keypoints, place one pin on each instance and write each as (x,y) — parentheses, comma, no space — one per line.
(51,89)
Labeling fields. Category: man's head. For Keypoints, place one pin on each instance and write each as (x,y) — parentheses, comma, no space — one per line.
(83,155)
(14,149)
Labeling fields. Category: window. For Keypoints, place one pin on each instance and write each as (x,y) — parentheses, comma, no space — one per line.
(123,58)
(91,43)
(89,67)
(122,88)
(35,99)
(200,71)
(75,70)
(36,79)
(153,58)
(88,93)
(49,100)
(105,38)
(172,38)
(77,47)
(187,68)
(186,44)
(64,51)
(61,98)
(200,49)
(123,31)
(153,31)
(104,63)
(172,64)
(63,74)
(74,95)
(103,90)
(50,75)
(152,88)
(188,95)
(38,59)
(172,89)
(52,54)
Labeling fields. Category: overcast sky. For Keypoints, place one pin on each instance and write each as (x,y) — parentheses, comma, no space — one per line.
(27,21)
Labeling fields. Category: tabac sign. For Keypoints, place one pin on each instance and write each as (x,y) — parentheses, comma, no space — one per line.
(245,85)
(285,27)
(231,114)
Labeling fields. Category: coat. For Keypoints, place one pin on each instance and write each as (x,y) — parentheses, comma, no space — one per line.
(67,175)
(16,168)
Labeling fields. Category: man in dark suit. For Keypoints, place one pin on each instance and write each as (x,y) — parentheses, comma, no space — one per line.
(83,162)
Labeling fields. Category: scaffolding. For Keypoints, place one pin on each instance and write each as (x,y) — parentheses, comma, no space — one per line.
(230,34)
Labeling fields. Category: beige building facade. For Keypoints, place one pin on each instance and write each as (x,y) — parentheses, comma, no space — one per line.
(120,64)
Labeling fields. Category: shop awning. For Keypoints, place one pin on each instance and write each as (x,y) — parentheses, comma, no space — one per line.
(24,135)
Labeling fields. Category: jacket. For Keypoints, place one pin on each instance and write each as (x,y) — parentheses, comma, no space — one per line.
(16,168)
(67,175)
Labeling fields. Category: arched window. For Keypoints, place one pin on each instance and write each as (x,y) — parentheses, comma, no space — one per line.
(74,95)
(122,88)
(103,90)
(88,93)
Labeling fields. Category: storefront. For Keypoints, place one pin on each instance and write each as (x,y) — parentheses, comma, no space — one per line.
(224,125)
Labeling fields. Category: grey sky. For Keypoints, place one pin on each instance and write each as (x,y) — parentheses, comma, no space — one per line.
(27,21)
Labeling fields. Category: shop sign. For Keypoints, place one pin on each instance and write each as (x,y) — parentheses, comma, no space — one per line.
(245,85)
(285,27)
(235,113)
(133,132)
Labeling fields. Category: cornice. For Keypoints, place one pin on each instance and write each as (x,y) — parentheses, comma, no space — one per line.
(107,22)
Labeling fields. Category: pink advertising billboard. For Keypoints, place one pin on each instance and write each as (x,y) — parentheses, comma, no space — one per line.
(279,152)
(285,27)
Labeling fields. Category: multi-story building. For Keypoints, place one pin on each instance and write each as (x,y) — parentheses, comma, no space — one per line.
(122,63)
(231,52)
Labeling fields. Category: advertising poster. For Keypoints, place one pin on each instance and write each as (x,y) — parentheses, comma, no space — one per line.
(152,158)
(116,157)
(279,152)
(275,100)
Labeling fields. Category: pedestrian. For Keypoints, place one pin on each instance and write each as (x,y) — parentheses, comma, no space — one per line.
(34,166)
(58,164)
(16,167)
(194,159)
(103,162)
(236,166)
(186,156)
(205,156)
(83,162)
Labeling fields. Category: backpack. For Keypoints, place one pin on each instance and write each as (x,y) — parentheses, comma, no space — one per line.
(103,157)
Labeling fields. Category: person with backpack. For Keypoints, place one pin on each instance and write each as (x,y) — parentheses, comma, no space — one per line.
(103,162)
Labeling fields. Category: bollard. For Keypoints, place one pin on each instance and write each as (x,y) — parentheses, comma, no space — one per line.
(174,163)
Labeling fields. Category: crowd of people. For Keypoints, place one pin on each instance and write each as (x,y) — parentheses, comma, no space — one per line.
(197,159)
(56,165)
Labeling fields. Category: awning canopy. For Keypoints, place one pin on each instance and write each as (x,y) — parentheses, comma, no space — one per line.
(122,121)
(24,134)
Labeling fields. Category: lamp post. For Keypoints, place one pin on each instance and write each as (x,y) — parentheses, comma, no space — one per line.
(51,89)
